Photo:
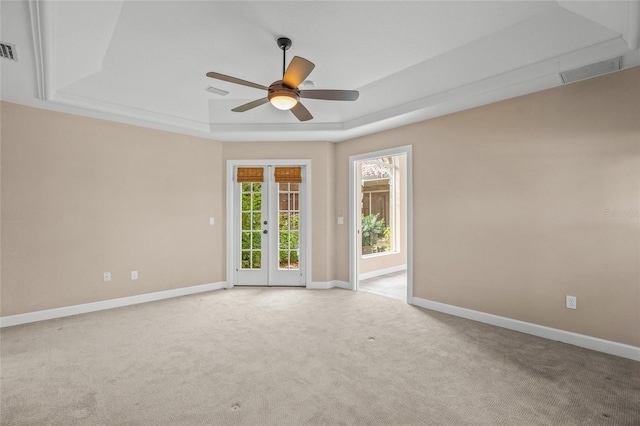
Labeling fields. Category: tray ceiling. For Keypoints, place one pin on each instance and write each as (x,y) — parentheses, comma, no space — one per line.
(144,62)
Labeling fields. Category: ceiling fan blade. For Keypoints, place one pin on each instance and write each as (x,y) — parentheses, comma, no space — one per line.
(230,79)
(301,112)
(330,95)
(250,105)
(298,70)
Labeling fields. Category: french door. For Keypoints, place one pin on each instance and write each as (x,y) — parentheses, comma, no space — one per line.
(268,226)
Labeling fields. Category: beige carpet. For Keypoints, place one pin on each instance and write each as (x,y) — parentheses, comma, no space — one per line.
(252,356)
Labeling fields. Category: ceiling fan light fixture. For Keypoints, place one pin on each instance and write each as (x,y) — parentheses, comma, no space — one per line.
(283,100)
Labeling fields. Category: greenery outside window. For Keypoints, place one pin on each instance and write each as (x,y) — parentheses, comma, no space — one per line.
(378,205)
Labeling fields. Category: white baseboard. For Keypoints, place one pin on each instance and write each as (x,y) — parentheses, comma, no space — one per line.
(594,343)
(319,285)
(385,271)
(343,284)
(584,341)
(84,308)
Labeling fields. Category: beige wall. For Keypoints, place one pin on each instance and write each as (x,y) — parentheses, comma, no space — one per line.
(321,155)
(511,201)
(82,196)
(510,207)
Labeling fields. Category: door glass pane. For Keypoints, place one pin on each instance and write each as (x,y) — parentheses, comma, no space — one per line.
(246,259)
(284,238)
(246,221)
(246,240)
(256,259)
(288,225)
(294,221)
(284,259)
(257,196)
(251,226)
(256,242)
(293,240)
(257,218)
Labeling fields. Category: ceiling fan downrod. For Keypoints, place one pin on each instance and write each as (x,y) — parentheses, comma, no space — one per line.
(284,43)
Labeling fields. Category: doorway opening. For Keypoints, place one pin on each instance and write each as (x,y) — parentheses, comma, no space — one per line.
(380,213)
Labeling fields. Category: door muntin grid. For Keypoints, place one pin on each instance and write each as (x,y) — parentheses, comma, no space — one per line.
(288,226)
(251,226)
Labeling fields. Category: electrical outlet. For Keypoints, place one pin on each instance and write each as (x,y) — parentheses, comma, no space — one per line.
(572,302)
(134,275)
(212,221)
(107,276)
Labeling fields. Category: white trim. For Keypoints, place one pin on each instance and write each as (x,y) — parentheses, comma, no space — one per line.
(324,285)
(385,271)
(380,254)
(353,213)
(320,285)
(584,341)
(354,265)
(632,32)
(84,308)
(38,48)
(342,284)
(231,273)
(409,195)
(308,214)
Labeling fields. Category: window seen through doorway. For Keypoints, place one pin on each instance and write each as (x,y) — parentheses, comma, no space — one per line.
(378,205)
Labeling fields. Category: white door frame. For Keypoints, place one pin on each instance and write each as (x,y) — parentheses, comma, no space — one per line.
(354,208)
(232,240)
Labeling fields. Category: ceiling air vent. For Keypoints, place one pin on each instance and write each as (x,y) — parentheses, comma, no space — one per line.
(592,70)
(8,51)
(217,91)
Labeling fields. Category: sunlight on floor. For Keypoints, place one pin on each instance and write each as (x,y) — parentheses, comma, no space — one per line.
(391,285)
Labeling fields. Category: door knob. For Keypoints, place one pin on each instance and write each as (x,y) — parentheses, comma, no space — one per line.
(265,222)
(265,231)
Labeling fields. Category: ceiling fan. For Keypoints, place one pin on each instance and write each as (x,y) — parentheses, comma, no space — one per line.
(284,94)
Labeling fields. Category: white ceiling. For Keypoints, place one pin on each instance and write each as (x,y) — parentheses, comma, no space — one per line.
(144,62)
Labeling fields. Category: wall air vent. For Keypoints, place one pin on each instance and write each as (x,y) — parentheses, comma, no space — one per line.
(8,51)
(592,70)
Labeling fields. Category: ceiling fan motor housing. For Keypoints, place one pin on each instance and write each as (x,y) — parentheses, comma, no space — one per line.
(278,89)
